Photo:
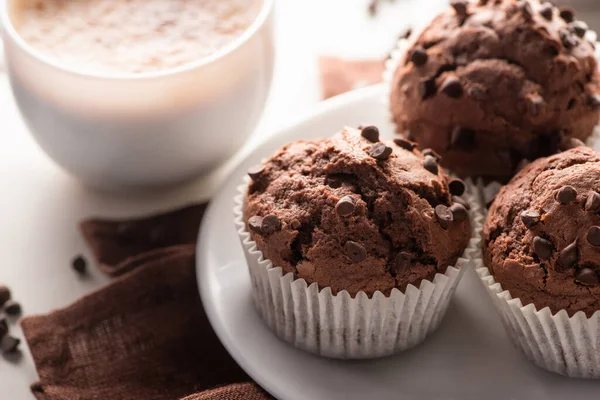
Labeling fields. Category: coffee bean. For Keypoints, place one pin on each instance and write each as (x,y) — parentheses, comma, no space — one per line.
(79,264)
(345,206)
(567,14)
(568,256)
(588,277)
(592,203)
(547,11)
(3,325)
(594,101)
(12,308)
(4,295)
(460,6)
(402,264)
(452,87)
(405,144)
(426,88)
(459,212)
(526,9)
(530,218)
(430,164)
(418,56)
(295,224)
(444,215)
(270,224)
(355,251)
(463,138)
(256,171)
(255,223)
(380,151)
(371,133)
(460,200)
(566,194)
(432,153)
(542,248)
(593,236)
(457,187)
(579,28)
(9,344)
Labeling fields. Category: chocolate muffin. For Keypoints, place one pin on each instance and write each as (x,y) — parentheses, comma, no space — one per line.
(542,234)
(491,83)
(355,213)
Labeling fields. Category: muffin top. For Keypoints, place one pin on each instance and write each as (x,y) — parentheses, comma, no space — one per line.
(355,213)
(491,83)
(542,235)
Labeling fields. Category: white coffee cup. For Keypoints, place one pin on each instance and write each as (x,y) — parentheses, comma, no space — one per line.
(148,129)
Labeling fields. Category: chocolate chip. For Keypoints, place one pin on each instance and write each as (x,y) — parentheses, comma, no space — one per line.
(380,151)
(460,6)
(256,171)
(587,276)
(405,144)
(452,87)
(355,251)
(459,212)
(79,264)
(418,56)
(463,138)
(594,101)
(567,14)
(542,248)
(593,236)
(457,187)
(255,223)
(530,218)
(3,325)
(460,200)
(12,308)
(345,206)
(426,88)
(402,263)
(547,11)
(9,344)
(270,224)
(4,295)
(579,28)
(295,224)
(566,194)
(535,104)
(569,255)
(444,215)
(430,164)
(371,133)
(592,203)
(526,9)
(432,153)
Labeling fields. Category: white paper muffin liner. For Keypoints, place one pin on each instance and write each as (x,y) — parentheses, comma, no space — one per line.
(339,326)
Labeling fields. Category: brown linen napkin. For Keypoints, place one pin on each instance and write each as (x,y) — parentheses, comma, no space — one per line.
(143,337)
(339,75)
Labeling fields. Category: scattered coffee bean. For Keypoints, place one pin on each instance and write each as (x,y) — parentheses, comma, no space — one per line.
(405,144)
(594,101)
(270,224)
(452,87)
(460,6)
(569,255)
(526,9)
(457,187)
(566,194)
(295,224)
(345,206)
(535,104)
(547,11)
(4,295)
(432,153)
(79,264)
(592,203)
(542,248)
(587,276)
(430,164)
(530,218)
(426,88)
(418,56)
(593,236)
(444,215)
(568,40)
(402,264)
(460,200)
(355,251)
(12,308)
(255,223)
(567,14)
(9,344)
(459,212)
(380,151)
(3,325)
(463,138)
(256,171)
(579,28)
(371,133)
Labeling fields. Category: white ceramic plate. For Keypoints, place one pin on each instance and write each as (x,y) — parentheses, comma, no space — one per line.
(469,357)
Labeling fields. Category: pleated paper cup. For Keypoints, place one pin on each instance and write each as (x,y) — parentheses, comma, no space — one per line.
(345,327)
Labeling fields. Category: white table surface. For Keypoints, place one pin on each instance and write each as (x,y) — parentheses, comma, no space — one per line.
(40,205)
